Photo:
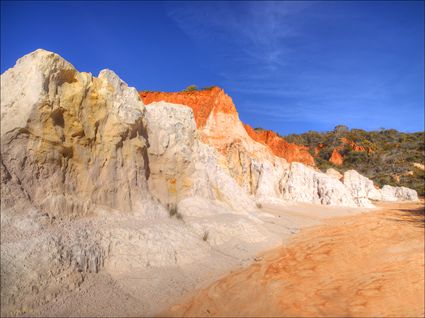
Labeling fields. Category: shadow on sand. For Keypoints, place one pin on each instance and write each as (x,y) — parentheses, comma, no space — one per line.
(415,216)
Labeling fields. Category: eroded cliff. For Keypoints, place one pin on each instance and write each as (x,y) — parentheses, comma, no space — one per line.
(217,118)
(71,141)
(93,182)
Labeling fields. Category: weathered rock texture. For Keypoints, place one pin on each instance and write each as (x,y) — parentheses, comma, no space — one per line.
(334,173)
(361,188)
(307,185)
(172,137)
(204,103)
(390,193)
(280,147)
(92,181)
(219,126)
(71,141)
(218,121)
(258,160)
(181,166)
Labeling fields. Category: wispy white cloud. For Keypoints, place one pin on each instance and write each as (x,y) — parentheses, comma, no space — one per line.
(263,47)
(257,28)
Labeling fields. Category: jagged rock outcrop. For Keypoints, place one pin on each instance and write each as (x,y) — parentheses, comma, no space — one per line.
(253,164)
(390,193)
(252,157)
(80,163)
(181,166)
(280,147)
(71,141)
(218,123)
(334,173)
(172,137)
(76,133)
(304,184)
(363,188)
(93,181)
(215,114)
(360,187)
(204,102)
(336,158)
(219,126)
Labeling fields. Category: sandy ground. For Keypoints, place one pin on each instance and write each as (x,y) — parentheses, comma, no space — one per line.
(366,265)
(146,292)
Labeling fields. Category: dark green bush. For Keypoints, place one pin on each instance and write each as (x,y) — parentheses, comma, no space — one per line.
(191,88)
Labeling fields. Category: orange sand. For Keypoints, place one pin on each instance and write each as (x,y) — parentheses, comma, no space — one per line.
(367,265)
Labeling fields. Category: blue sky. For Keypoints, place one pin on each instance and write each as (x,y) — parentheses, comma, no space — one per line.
(289,66)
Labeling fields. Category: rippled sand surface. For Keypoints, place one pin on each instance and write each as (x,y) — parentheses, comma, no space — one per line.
(369,265)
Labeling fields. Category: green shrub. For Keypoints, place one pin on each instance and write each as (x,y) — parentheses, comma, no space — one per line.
(393,153)
(191,88)
(205,236)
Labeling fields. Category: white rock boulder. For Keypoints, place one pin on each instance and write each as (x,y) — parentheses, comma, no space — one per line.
(304,184)
(360,187)
(334,173)
(390,193)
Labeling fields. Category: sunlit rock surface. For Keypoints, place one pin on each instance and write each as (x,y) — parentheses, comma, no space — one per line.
(96,185)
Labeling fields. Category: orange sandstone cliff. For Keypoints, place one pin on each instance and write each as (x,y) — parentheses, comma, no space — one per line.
(202,102)
(336,158)
(280,147)
(208,107)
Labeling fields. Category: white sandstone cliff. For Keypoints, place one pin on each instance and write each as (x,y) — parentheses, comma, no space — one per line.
(70,141)
(92,181)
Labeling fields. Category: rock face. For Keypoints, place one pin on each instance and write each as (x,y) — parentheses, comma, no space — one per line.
(100,183)
(220,127)
(71,141)
(218,122)
(361,188)
(92,180)
(258,160)
(307,185)
(280,147)
(336,158)
(181,166)
(204,103)
(172,136)
(334,173)
(390,193)
(215,114)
